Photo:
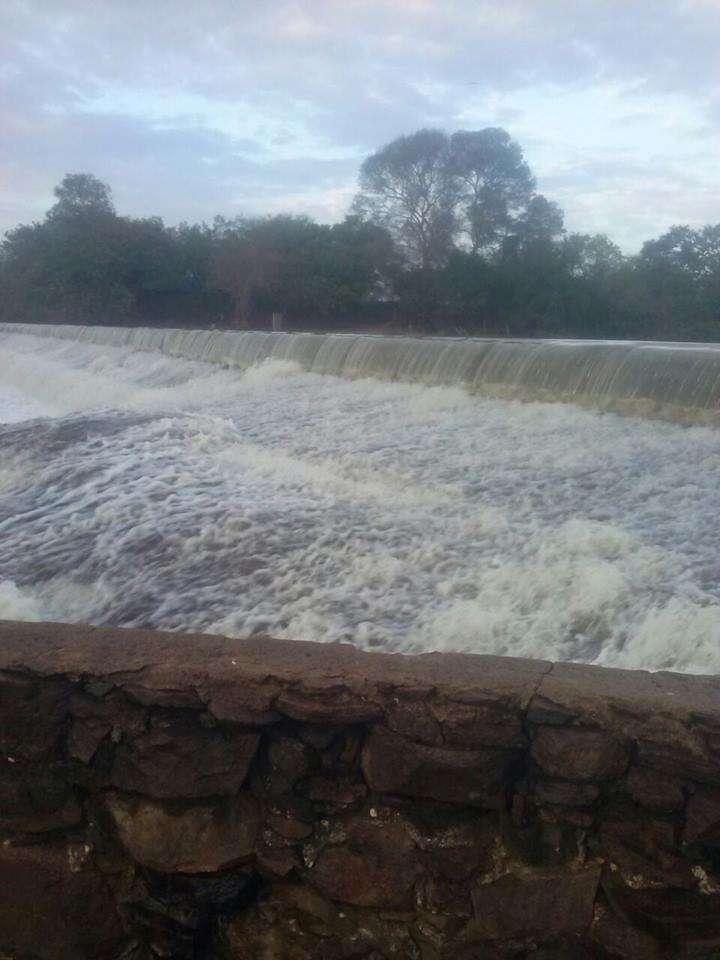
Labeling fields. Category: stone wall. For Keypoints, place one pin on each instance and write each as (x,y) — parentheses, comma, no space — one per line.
(164,795)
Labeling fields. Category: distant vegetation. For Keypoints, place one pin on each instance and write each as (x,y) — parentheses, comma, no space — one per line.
(446,234)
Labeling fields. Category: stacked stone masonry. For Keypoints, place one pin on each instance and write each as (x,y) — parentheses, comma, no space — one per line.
(165,795)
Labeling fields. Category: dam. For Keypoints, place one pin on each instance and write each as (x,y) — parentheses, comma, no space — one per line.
(359,489)
(478,533)
(671,380)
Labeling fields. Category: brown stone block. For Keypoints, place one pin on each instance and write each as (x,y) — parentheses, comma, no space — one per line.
(541,905)
(185,837)
(124,716)
(286,761)
(680,753)
(181,759)
(84,738)
(327,708)
(641,845)
(289,827)
(50,908)
(704,949)
(334,792)
(32,713)
(479,777)
(34,799)
(413,719)
(653,791)
(164,697)
(564,794)
(621,940)
(440,895)
(485,724)
(702,817)
(376,865)
(241,702)
(579,754)
(675,916)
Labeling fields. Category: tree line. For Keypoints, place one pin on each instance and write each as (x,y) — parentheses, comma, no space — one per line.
(447,234)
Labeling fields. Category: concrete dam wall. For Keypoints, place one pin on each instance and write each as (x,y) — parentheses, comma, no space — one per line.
(671,381)
(169,795)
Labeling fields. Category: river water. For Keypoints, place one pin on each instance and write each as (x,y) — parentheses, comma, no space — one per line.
(138,489)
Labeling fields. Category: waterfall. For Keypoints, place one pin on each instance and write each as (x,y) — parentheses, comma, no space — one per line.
(668,380)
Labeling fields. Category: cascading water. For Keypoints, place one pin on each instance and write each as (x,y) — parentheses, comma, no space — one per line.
(670,381)
(205,480)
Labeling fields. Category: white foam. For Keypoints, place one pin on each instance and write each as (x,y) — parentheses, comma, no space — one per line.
(168,493)
(17,604)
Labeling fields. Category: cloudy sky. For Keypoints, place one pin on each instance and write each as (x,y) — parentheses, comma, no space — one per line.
(190,108)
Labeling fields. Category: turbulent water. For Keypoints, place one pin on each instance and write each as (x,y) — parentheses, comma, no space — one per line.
(140,489)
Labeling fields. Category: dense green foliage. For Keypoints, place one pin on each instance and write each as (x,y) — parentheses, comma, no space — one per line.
(447,234)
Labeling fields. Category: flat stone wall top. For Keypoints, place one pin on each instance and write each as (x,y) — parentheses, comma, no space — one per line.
(263,673)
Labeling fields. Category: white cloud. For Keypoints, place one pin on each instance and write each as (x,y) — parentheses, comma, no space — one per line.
(252,103)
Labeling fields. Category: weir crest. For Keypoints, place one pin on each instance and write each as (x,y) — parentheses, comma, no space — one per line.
(673,381)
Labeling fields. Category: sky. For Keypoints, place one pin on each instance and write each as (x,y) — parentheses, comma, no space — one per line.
(191,108)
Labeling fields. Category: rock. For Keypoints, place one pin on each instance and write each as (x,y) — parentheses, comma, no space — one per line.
(174,914)
(32,713)
(454,848)
(288,827)
(676,916)
(414,720)
(479,778)
(545,843)
(641,845)
(705,949)
(578,754)
(458,863)
(248,704)
(287,760)
(292,922)
(443,896)
(199,837)
(180,759)
(334,792)
(375,866)
(98,688)
(653,791)
(702,817)
(328,706)
(84,738)
(621,940)
(34,799)
(125,717)
(540,905)
(52,908)
(276,864)
(681,754)
(487,725)
(159,697)
(560,793)
(316,736)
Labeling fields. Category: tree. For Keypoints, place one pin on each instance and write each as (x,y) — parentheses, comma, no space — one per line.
(82,193)
(243,262)
(408,187)
(542,221)
(592,255)
(300,268)
(695,253)
(70,265)
(494,183)
(681,269)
